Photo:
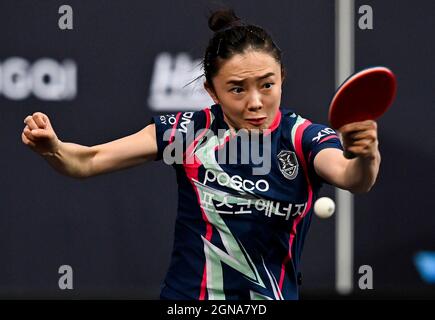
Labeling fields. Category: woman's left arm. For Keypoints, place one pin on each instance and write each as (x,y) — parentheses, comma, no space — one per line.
(357,175)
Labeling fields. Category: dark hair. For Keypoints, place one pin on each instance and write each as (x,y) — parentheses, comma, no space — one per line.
(232,36)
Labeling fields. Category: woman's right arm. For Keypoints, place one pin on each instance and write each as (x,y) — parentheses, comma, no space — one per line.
(80,161)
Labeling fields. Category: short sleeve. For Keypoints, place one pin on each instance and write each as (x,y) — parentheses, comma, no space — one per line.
(316,138)
(179,128)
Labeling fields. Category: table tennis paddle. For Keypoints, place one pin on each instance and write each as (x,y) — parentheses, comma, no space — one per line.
(366,95)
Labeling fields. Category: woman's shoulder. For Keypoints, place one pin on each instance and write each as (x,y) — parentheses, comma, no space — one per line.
(290,115)
(308,126)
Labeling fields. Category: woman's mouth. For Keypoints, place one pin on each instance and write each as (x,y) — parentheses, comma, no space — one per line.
(257,121)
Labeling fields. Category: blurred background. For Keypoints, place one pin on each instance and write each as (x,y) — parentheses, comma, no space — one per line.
(124,61)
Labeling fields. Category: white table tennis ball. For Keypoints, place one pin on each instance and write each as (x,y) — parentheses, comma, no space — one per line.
(324,207)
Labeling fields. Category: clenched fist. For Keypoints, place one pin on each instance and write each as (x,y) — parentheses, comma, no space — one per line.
(39,135)
(360,139)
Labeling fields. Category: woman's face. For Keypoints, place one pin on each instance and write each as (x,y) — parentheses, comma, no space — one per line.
(248,87)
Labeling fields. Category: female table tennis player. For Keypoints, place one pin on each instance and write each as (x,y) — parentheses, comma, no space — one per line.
(238,235)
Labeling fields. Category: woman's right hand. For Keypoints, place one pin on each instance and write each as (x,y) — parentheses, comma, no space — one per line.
(38,134)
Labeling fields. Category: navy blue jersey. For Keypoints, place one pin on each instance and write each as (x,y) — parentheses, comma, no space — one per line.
(239,235)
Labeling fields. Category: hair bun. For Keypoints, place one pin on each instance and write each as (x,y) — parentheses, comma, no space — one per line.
(222,19)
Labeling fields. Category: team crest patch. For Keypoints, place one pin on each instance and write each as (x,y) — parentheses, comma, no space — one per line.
(288,164)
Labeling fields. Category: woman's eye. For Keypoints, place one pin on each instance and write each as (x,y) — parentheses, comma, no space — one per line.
(268,85)
(237,90)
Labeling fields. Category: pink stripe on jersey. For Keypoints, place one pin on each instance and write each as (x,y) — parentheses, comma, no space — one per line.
(220,146)
(300,155)
(328,138)
(192,173)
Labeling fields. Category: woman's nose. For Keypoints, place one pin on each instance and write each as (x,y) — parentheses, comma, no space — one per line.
(254,102)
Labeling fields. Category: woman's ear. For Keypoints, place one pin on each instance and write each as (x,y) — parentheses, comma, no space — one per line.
(211,92)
